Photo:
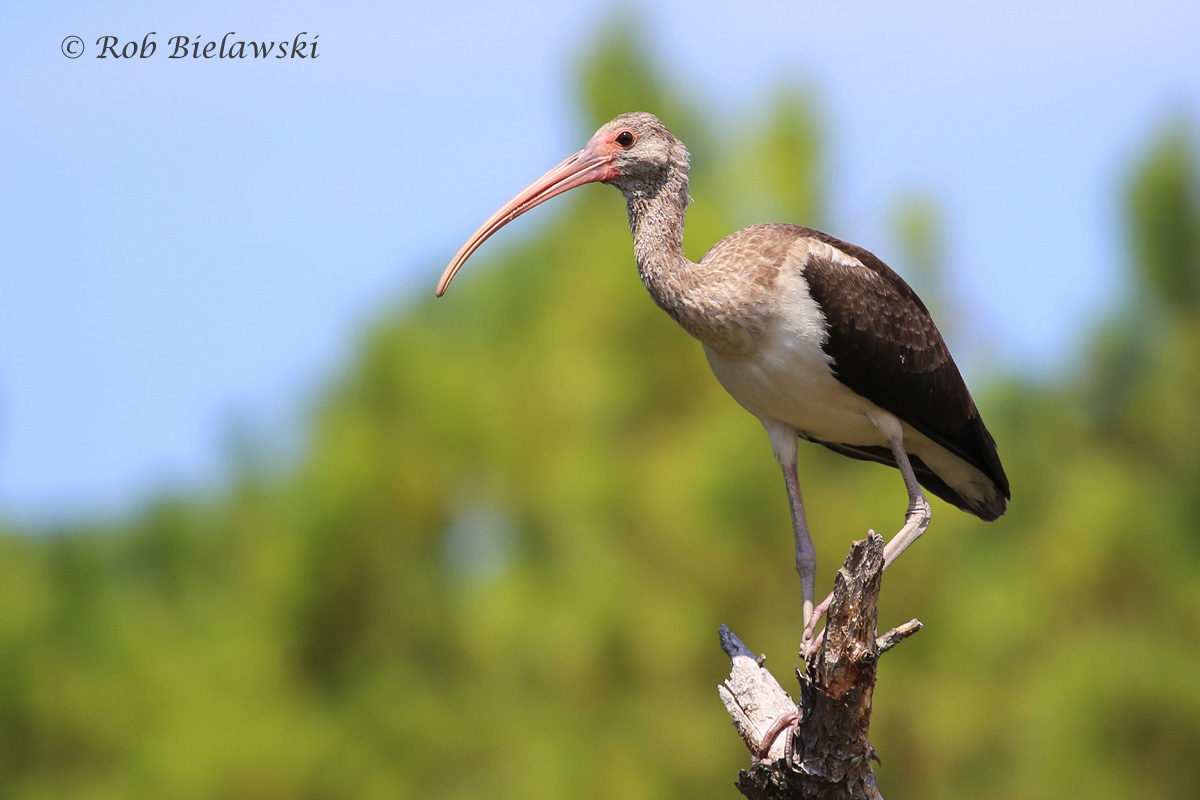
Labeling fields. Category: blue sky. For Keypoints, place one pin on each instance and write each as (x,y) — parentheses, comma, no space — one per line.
(192,246)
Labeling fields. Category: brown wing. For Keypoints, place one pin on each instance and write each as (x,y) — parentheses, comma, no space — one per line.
(885,347)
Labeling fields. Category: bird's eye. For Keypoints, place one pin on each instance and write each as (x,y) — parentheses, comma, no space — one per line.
(625,139)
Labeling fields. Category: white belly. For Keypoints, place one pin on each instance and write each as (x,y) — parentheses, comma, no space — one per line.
(789,380)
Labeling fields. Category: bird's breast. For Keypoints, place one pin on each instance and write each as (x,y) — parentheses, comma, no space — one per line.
(788,377)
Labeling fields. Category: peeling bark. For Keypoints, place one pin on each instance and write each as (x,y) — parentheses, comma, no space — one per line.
(820,748)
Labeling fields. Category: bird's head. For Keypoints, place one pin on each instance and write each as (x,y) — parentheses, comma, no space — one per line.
(635,152)
(644,153)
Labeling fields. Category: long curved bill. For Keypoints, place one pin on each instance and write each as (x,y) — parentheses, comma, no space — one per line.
(587,166)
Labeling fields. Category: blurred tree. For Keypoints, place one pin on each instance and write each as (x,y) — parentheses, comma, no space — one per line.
(918,227)
(774,164)
(617,75)
(1164,214)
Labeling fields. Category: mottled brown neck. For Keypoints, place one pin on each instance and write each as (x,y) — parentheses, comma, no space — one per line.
(708,299)
(656,214)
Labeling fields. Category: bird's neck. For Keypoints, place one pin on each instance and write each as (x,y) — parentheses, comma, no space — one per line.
(656,221)
(696,295)
(656,214)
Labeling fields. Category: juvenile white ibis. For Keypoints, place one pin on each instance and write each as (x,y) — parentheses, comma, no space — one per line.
(817,338)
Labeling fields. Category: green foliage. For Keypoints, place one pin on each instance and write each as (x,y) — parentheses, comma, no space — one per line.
(918,227)
(1164,214)
(775,169)
(618,76)
(523,510)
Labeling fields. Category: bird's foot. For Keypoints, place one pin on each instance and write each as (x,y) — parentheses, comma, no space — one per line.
(786,725)
(811,645)
(916,521)
(810,641)
(919,514)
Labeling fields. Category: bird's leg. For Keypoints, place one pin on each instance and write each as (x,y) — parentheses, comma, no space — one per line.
(806,554)
(915,523)
(919,513)
(783,440)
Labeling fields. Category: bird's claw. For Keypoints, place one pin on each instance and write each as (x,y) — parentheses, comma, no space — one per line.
(810,641)
(786,722)
(810,645)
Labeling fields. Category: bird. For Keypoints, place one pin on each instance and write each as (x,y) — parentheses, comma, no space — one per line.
(816,337)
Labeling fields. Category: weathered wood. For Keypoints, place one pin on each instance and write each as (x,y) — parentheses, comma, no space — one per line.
(825,753)
(897,634)
(753,697)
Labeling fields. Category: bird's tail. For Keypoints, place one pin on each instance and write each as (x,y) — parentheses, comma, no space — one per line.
(987,504)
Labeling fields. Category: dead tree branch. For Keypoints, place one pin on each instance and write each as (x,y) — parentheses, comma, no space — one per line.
(818,750)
